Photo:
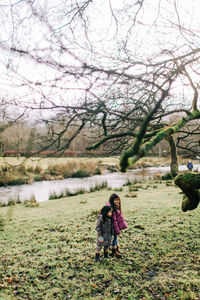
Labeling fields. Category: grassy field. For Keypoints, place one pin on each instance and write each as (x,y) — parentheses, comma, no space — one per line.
(48,252)
(44,163)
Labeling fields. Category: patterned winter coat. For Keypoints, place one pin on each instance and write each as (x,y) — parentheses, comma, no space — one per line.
(105,230)
(119,222)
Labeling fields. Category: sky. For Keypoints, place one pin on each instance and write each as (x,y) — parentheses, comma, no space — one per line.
(154,29)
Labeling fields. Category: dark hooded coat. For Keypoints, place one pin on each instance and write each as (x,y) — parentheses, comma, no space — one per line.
(105,230)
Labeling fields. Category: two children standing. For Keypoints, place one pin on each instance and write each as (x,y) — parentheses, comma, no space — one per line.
(109,225)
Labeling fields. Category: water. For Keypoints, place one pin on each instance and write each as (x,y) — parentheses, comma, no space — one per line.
(42,190)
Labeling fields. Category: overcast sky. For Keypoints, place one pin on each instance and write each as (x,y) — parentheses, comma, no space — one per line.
(155,26)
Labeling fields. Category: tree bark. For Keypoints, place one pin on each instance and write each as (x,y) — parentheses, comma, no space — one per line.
(189,183)
(174,157)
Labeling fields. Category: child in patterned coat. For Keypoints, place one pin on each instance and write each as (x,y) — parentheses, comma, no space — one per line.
(119,222)
(105,232)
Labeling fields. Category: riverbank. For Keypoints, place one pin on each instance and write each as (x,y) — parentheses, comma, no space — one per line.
(47,252)
(44,163)
(14,172)
(17,171)
(48,189)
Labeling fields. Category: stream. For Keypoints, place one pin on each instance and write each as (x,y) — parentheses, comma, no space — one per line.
(43,189)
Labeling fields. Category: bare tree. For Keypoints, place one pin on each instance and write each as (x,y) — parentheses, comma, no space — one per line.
(118,68)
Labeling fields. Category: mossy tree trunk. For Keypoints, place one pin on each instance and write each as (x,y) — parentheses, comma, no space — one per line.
(189,183)
(174,157)
(138,149)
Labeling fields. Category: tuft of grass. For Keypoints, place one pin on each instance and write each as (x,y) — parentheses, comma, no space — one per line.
(132,188)
(100,186)
(93,214)
(128,182)
(131,195)
(38,178)
(120,189)
(167,176)
(68,193)
(92,190)
(83,202)
(11,202)
(131,182)
(113,169)
(135,187)
(146,187)
(33,169)
(80,174)
(1,224)
(109,189)
(78,192)
(31,202)
(53,195)
(169,183)
(19,201)
(74,169)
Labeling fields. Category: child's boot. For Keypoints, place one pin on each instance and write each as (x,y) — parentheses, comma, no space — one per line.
(106,255)
(115,253)
(97,257)
(118,250)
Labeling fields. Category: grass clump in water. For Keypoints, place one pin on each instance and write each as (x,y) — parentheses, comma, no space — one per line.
(11,202)
(31,202)
(81,191)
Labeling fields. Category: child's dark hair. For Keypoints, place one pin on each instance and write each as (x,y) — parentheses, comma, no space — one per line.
(104,211)
(111,201)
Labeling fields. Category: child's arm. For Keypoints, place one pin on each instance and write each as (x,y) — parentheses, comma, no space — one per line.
(112,233)
(112,230)
(99,229)
(116,227)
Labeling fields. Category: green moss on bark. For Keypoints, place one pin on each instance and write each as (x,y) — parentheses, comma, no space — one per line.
(189,183)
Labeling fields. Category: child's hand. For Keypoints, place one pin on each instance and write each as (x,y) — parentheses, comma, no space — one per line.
(100,239)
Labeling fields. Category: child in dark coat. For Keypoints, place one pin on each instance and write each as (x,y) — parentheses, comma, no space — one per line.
(105,232)
(119,222)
